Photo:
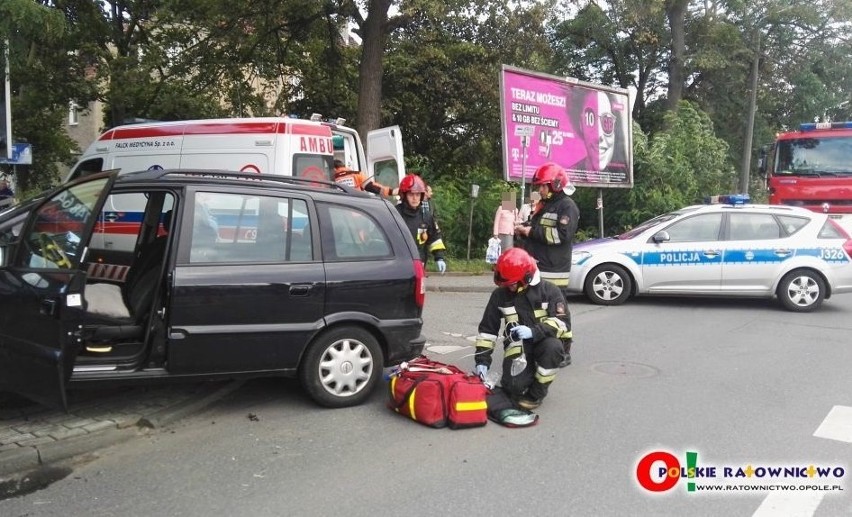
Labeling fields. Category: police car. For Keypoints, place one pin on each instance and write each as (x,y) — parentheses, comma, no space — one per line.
(724,248)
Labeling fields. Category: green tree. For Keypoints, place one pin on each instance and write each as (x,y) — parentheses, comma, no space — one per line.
(44,78)
(677,167)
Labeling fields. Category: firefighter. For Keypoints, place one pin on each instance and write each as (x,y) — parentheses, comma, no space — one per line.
(550,232)
(534,314)
(421,223)
(343,175)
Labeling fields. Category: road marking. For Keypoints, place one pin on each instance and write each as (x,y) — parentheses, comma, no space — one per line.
(786,504)
(837,425)
(444,349)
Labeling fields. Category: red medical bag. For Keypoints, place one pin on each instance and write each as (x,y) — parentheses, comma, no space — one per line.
(438,395)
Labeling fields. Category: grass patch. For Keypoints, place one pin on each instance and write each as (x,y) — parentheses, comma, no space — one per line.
(454,265)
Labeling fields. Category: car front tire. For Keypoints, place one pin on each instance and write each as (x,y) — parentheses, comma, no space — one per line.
(342,367)
(608,284)
(801,290)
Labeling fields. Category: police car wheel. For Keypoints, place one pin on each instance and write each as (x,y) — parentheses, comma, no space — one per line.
(341,367)
(608,284)
(801,290)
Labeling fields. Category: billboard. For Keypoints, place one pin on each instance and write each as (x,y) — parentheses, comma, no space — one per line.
(581,126)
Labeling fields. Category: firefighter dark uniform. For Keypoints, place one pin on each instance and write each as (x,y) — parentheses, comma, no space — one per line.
(421,223)
(551,234)
(535,304)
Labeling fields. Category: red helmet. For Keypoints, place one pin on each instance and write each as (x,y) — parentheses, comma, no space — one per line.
(515,266)
(555,176)
(412,183)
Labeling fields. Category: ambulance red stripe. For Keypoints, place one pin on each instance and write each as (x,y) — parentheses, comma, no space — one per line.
(217,128)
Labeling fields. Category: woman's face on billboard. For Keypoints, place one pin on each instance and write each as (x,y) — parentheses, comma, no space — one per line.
(598,129)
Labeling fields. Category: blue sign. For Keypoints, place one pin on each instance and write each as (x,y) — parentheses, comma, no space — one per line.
(22,154)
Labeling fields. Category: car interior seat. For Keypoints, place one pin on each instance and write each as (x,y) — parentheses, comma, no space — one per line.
(137,293)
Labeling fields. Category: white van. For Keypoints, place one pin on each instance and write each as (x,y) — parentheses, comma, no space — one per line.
(267,145)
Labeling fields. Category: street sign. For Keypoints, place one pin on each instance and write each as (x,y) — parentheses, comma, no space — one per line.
(22,154)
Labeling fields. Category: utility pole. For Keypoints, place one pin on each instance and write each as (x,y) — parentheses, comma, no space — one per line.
(752,107)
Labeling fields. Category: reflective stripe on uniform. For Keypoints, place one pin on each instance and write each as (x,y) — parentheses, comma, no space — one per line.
(512,351)
(485,341)
(438,245)
(557,279)
(551,232)
(557,324)
(545,375)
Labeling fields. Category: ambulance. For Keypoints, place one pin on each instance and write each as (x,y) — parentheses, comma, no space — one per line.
(269,145)
(287,146)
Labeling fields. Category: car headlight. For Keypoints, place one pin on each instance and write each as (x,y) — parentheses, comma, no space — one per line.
(579,257)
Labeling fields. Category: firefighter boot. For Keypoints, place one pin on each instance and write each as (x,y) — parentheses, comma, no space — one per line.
(566,353)
(534,396)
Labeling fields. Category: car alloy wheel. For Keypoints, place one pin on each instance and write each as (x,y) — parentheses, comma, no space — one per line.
(801,290)
(608,284)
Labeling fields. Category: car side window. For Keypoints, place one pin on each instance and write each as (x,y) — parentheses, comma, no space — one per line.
(752,226)
(54,241)
(703,227)
(349,233)
(234,228)
(792,224)
(830,231)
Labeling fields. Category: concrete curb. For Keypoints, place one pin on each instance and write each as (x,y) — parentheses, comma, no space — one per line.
(458,289)
(25,459)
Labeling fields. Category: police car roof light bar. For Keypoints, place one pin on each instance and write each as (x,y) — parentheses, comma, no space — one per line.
(727,199)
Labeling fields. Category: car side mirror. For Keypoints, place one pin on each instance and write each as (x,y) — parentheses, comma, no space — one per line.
(662,236)
(761,160)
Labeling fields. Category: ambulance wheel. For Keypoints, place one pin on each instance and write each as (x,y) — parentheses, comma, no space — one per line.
(801,290)
(608,284)
(341,367)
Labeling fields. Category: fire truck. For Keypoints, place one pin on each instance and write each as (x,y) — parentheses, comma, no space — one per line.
(812,168)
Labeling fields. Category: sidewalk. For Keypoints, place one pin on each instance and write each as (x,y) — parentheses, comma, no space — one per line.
(460,283)
(32,435)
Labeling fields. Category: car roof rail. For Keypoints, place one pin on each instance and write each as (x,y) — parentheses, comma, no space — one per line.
(224,174)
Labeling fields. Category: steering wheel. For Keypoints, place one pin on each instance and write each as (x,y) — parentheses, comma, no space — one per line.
(53,252)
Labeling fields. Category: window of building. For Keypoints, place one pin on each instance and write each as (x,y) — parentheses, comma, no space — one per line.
(73,114)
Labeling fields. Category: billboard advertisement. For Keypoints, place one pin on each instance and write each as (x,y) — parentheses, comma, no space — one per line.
(581,126)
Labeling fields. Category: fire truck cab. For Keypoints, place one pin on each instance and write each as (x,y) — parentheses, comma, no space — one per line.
(812,168)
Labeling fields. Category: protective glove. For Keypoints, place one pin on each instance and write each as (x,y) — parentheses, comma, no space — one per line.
(481,370)
(442,266)
(521,332)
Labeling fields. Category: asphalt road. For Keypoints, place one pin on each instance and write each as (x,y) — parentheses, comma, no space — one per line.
(741,383)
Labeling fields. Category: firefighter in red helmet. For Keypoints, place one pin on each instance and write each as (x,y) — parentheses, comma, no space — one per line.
(421,223)
(534,314)
(550,233)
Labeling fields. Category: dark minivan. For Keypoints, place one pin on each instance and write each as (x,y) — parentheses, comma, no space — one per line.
(207,274)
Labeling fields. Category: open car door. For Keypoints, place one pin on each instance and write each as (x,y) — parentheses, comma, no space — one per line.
(384,155)
(41,291)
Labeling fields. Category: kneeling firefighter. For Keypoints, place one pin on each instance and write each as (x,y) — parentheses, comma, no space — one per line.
(534,312)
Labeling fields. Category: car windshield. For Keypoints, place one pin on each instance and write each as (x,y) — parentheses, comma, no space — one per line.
(815,157)
(633,232)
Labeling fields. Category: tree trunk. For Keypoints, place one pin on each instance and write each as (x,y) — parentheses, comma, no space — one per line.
(676,12)
(372,67)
